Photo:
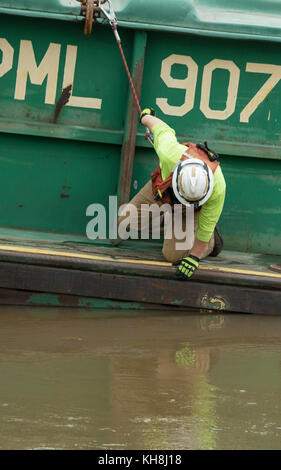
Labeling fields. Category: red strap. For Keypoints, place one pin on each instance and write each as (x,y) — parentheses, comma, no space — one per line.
(128,72)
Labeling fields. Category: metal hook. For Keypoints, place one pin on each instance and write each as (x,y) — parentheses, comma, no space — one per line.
(110,15)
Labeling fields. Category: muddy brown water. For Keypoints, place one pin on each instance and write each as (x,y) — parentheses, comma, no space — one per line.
(82,379)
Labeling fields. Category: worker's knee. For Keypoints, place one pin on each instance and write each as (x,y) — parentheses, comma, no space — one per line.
(171,255)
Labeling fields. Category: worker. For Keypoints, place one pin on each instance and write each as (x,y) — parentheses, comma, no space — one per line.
(189,175)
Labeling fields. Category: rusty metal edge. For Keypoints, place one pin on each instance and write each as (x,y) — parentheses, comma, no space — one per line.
(195,295)
(115,267)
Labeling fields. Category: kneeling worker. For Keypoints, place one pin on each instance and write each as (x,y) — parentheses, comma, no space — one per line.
(190,175)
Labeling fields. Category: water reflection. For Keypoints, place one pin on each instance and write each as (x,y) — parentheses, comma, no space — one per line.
(80,379)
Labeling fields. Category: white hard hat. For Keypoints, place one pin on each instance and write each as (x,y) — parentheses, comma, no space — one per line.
(193,182)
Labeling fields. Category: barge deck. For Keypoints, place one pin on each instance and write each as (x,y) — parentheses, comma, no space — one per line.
(47,269)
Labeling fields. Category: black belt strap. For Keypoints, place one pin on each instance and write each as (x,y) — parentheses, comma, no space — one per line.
(213,156)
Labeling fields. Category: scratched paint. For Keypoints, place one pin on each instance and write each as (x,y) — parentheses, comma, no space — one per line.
(215,303)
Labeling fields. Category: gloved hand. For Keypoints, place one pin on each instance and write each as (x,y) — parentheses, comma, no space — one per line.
(187,266)
(147,112)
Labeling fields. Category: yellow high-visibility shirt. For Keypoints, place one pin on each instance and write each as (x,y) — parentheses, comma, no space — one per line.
(170,151)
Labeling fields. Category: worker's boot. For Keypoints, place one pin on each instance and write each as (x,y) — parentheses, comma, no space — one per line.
(218,242)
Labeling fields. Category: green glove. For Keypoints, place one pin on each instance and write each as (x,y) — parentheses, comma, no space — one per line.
(187,266)
(147,112)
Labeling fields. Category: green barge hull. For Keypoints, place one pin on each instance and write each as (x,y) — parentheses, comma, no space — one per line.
(212,72)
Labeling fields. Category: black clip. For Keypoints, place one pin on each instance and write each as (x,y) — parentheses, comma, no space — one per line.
(213,156)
